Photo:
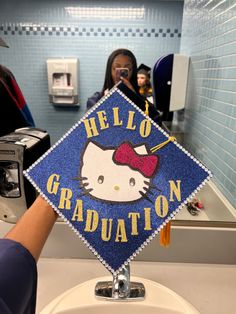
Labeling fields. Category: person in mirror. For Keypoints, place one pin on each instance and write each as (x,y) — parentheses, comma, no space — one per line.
(144,83)
(19,252)
(122,66)
(120,59)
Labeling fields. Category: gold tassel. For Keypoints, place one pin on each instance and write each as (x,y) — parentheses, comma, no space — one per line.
(170,139)
(146,108)
(165,231)
(165,235)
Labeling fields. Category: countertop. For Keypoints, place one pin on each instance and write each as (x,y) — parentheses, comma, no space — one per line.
(211,288)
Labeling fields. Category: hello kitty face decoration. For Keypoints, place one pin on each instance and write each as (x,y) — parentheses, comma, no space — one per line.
(120,174)
(114,182)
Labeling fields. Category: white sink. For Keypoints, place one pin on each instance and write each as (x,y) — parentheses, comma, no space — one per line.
(81,300)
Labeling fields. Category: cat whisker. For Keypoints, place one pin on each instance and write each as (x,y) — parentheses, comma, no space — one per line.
(155,188)
(145,196)
(80,178)
(82,186)
(152,186)
(86,192)
(148,190)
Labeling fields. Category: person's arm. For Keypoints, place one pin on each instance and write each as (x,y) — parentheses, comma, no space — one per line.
(127,83)
(94,99)
(34,227)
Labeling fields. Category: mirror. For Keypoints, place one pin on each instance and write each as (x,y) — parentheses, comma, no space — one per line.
(210,207)
(37,31)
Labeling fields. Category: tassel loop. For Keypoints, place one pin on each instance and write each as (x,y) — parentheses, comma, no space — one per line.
(165,235)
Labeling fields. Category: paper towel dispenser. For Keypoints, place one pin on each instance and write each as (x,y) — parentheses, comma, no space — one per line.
(63,81)
(170,76)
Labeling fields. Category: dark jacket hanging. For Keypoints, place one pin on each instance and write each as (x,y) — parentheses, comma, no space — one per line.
(14,112)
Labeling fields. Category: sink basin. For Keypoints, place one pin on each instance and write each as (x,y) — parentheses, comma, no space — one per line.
(81,299)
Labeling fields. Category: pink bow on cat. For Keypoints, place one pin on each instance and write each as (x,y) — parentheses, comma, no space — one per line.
(126,155)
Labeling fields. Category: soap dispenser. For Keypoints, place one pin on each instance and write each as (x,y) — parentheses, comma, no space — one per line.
(63,81)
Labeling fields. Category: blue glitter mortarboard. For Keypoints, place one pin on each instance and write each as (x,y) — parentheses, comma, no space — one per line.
(110,186)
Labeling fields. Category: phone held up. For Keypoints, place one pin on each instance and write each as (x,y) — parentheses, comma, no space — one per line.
(124,72)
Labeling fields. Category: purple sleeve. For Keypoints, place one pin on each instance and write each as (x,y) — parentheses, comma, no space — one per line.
(18,278)
(94,99)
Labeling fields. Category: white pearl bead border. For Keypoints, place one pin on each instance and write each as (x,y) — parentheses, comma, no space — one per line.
(170,217)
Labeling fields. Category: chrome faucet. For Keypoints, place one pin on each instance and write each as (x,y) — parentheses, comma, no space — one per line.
(121,284)
(120,288)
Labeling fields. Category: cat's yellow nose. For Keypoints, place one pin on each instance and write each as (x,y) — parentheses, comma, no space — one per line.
(116,188)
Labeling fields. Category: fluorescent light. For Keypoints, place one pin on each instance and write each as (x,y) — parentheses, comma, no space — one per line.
(106,12)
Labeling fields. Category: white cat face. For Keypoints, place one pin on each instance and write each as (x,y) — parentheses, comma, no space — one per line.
(105,180)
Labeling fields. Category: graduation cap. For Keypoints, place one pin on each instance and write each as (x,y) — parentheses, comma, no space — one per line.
(117,179)
(3,43)
(144,69)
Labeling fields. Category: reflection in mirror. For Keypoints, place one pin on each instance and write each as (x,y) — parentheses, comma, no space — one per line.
(209,204)
(151,29)
(209,121)
(214,208)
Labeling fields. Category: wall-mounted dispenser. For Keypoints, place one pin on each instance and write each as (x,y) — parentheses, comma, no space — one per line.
(63,81)
(170,76)
(18,150)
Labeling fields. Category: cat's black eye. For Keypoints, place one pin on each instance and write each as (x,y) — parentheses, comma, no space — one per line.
(100,179)
(132,181)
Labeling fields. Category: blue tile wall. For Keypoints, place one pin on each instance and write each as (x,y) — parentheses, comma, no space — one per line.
(210,116)
(87,30)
